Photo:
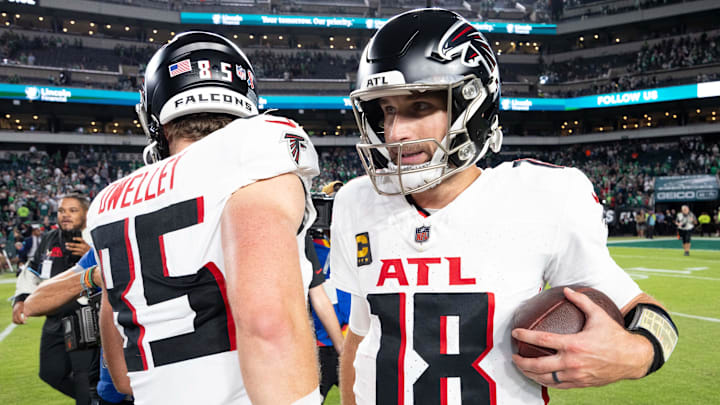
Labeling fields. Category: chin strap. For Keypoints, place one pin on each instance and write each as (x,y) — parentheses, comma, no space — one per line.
(150,154)
(496,135)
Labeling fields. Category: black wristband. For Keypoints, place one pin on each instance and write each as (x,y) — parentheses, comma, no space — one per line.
(20,298)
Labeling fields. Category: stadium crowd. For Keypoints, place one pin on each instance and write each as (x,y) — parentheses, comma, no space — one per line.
(31,182)
(669,54)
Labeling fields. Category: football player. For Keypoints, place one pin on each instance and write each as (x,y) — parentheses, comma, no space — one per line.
(439,254)
(204,297)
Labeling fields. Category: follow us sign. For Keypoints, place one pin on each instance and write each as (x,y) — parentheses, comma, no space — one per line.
(633,97)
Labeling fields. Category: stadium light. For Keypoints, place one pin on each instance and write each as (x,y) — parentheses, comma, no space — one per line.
(108,26)
(625,117)
(7,116)
(674,115)
(154,31)
(332,39)
(575,122)
(264,36)
(151,39)
(347,39)
(299,45)
(127,28)
(17,121)
(172,34)
(35,117)
(235,36)
(280,37)
(697,111)
(596,36)
(7,23)
(92,24)
(17,16)
(72,22)
(617,40)
(352,47)
(582,39)
(4,14)
(90,32)
(41,18)
(332,46)
(252,36)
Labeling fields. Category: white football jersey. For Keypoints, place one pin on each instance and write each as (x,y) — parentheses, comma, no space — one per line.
(442,289)
(157,236)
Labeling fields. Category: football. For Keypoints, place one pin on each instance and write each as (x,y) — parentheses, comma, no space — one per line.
(550,311)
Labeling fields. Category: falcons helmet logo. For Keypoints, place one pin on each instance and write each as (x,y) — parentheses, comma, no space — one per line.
(464,40)
(295,143)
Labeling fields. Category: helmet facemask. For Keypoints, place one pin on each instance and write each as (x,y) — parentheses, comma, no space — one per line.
(455,152)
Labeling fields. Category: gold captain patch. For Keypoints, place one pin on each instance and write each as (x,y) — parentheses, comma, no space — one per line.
(364,256)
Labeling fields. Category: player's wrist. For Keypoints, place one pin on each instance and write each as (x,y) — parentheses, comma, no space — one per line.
(642,354)
(654,324)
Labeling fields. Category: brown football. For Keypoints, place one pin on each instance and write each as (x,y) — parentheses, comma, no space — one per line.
(550,311)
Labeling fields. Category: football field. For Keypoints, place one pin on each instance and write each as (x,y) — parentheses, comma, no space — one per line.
(688,286)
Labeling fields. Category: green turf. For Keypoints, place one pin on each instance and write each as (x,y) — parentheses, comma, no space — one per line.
(688,378)
(669,243)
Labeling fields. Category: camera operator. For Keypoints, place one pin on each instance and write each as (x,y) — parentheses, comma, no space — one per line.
(84,278)
(74,373)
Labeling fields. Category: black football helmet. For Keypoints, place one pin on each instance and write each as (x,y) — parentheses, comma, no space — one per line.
(195,72)
(420,51)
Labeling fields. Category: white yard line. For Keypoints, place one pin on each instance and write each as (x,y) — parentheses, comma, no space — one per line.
(673,275)
(702,318)
(7,331)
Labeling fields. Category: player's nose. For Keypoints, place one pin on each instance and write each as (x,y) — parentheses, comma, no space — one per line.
(401,129)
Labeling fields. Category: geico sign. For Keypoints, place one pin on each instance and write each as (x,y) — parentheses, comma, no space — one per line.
(676,195)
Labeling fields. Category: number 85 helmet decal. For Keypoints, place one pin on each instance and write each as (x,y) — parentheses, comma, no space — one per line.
(428,50)
(196,72)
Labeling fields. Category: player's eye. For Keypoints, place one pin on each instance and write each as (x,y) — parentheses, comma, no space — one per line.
(389,110)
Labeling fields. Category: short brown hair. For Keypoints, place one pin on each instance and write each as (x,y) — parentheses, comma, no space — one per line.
(84,201)
(196,126)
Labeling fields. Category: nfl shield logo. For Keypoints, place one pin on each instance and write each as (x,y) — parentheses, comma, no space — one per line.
(422,234)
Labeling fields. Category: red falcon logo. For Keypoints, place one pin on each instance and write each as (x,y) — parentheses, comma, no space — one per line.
(464,40)
(295,143)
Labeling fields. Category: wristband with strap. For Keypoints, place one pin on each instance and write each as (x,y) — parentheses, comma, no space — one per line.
(655,324)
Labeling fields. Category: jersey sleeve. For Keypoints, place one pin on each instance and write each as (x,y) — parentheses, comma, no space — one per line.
(344,270)
(581,255)
(266,146)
